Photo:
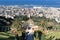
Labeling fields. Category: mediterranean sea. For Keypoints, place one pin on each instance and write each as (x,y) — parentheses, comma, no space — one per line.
(48,3)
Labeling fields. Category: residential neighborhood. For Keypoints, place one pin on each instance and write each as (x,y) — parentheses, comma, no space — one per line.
(48,12)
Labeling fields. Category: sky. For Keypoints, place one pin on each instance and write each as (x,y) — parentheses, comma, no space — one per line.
(33,2)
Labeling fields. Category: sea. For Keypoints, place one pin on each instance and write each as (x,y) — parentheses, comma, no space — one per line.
(46,3)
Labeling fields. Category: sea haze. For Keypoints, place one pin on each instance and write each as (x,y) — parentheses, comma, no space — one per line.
(51,3)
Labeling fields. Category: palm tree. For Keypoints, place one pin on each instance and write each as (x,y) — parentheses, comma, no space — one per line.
(16,24)
(43,23)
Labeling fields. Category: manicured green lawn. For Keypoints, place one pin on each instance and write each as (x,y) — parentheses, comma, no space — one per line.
(8,36)
(55,34)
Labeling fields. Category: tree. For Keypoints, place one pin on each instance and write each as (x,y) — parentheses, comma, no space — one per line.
(43,23)
(16,24)
(50,25)
(25,18)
